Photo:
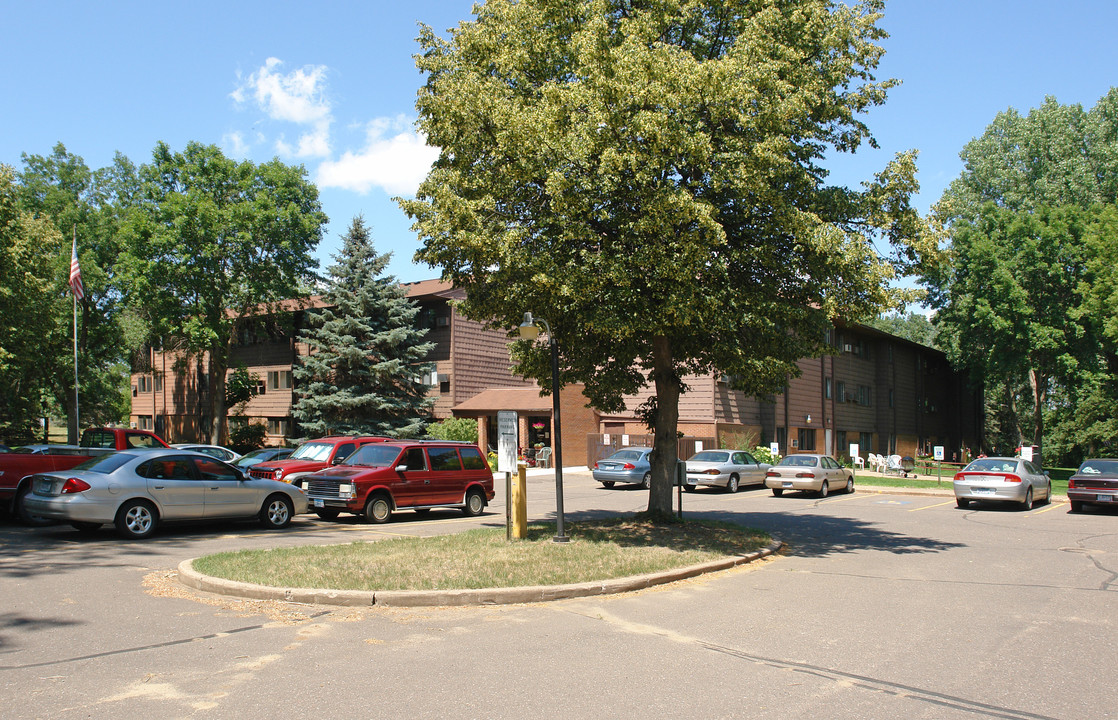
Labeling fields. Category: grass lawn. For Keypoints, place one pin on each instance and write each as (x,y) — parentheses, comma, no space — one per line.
(1060,487)
(599,550)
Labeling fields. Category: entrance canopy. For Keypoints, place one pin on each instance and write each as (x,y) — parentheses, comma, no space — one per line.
(524,400)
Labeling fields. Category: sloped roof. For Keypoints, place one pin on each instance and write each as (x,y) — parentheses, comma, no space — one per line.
(520,399)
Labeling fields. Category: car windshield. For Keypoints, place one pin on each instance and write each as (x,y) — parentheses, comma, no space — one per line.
(710,456)
(319,452)
(374,456)
(799,461)
(992,465)
(627,455)
(1099,467)
(105,464)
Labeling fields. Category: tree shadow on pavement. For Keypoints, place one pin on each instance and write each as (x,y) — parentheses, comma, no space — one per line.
(810,535)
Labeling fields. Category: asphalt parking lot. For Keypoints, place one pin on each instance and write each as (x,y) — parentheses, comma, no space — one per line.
(883,606)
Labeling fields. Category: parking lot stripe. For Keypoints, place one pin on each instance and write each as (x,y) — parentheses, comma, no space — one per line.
(949,502)
(838,500)
(1051,506)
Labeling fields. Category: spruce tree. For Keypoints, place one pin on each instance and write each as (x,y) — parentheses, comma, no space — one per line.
(362,372)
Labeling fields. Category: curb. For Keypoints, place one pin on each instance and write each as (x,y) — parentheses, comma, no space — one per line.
(190,577)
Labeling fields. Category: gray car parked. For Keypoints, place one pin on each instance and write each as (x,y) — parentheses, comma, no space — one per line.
(137,490)
(1005,479)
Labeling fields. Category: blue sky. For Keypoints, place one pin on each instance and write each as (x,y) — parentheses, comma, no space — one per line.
(332,86)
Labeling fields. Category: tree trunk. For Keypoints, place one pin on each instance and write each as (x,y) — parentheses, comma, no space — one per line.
(217,398)
(1039,383)
(665,453)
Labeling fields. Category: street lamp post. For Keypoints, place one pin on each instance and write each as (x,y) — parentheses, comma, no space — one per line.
(529,331)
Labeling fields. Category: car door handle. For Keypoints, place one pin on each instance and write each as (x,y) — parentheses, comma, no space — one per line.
(160,487)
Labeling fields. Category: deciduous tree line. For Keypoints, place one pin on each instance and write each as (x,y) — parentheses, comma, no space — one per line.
(180,253)
(1025,289)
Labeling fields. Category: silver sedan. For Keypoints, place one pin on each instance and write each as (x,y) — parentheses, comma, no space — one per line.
(727,469)
(1007,479)
(138,490)
(813,473)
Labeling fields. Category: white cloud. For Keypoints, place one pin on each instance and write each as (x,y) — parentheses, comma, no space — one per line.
(296,97)
(395,158)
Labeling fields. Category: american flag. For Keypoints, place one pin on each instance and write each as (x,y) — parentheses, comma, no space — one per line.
(76,274)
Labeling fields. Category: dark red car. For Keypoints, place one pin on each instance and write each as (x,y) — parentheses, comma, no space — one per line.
(311,457)
(403,475)
(1094,483)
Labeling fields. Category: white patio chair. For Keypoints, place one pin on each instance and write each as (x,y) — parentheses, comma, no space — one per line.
(894,465)
(859,462)
(543,457)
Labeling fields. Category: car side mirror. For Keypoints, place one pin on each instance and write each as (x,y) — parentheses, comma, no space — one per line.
(401,468)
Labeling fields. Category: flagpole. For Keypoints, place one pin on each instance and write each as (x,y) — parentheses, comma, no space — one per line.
(77,405)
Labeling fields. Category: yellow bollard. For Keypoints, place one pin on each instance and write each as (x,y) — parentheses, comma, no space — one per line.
(520,503)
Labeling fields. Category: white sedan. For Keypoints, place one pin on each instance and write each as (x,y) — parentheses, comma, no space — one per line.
(726,469)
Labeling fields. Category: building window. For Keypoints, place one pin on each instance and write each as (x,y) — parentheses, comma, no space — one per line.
(279,379)
(145,384)
(807,439)
(827,388)
(279,426)
(865,394)
(158,383)
(892,398)
(840,391)
(840,438)
(144,422)
(782,438)
(865,442)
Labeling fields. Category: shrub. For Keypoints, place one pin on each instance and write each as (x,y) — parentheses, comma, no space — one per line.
(248,436)
(764,455)
(463,429)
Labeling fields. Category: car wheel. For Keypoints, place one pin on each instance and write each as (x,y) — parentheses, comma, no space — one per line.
(1027,504)
(646,481)
(136,519)
(327,513)
(778,491)
(607,483)
(277,512)
(962,502)
(85,526)
(378,509)
(1076,506)
(849,484)
(475,503)
(732,484)
(824,490)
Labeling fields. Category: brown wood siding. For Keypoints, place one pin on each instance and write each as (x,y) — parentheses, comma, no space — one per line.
(480,360)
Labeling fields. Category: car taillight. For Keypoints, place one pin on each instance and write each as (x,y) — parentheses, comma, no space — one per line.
(1071,483)
(772,473)
(628,466)
(805,475)
(1009,477)
(959,477)
(712,471)
(74,485)
(595,466)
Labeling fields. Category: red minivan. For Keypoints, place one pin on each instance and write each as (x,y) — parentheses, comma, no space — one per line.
(381,478)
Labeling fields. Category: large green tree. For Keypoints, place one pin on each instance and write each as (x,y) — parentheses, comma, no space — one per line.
(1010,291)
(649,178)
(211,244)
(363,371)
(86,206)
(30,303)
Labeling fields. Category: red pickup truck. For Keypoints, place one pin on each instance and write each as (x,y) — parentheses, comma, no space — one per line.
(311,457)
(17,468)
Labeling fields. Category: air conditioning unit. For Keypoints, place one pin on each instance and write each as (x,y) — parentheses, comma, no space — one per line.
(848,348)
(795,443)
(442,321)
(443,377)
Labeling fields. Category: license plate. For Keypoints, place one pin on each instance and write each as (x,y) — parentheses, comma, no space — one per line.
(608,466)
(319,503)
(786,483)
(983,491)
(1104,498)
